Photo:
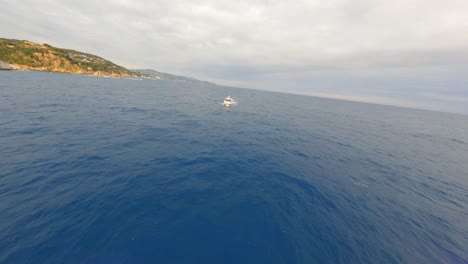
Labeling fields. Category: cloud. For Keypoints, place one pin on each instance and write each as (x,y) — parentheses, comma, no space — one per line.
(256,43)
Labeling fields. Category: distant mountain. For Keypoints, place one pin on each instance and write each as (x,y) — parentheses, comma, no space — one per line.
(26,55)
(166,76)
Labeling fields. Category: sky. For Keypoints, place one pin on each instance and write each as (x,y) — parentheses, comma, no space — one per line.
(410,53)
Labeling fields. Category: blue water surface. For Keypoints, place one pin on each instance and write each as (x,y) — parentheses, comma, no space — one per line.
(100,170)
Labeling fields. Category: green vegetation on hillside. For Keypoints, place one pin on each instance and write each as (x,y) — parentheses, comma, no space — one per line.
(28,55)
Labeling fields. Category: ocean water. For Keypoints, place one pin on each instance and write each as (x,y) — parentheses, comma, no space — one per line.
(96,170)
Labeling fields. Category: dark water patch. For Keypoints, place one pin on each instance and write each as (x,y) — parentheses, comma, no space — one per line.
(29,131)
(458,141)
(52,105)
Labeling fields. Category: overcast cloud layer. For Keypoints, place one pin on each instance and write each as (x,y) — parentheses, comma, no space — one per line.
(403,52)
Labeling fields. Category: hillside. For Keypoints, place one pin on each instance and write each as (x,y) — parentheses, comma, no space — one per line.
(25,55)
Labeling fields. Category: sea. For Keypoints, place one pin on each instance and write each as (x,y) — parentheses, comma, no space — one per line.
(102,170)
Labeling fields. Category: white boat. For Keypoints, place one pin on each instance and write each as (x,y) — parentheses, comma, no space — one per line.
(228,101)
